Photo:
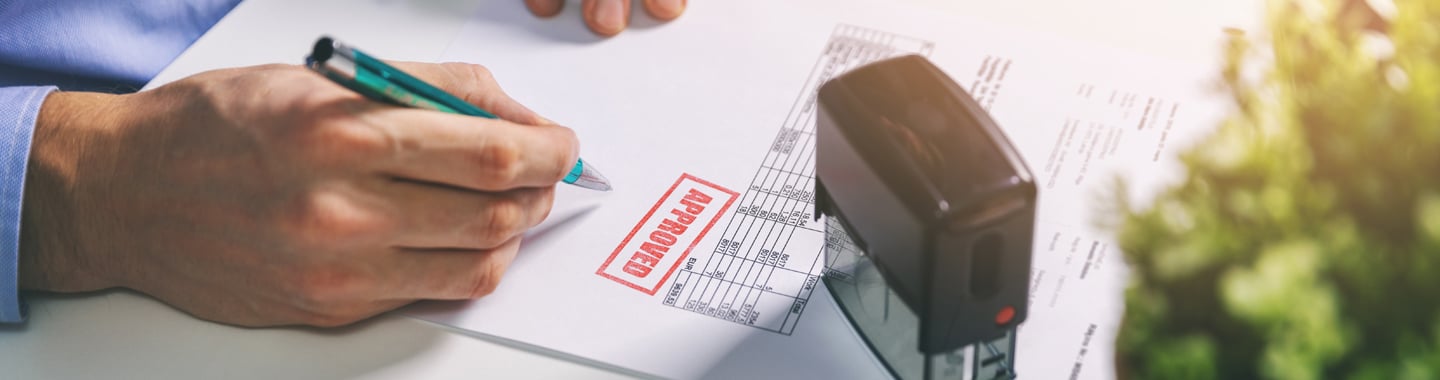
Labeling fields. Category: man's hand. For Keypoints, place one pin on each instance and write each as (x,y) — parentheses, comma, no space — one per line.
(271,196)
(609,17)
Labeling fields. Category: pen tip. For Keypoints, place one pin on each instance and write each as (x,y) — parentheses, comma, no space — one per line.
(590,178)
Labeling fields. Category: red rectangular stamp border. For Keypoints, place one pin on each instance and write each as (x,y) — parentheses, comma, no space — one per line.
(671,271)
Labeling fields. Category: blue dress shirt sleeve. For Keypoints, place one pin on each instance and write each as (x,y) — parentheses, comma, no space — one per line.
(19,106)
(98,45)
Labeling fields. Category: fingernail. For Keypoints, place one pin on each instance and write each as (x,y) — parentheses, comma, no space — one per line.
(669,7)
(610,15)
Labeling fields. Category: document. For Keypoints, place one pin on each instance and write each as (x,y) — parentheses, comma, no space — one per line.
(705,261)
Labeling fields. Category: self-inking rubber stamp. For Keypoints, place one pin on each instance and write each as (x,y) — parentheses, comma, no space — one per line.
(931,214)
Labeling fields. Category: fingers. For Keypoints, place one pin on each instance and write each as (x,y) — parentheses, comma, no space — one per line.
(432,217)
(450,274)
(606,17)
(609,17)
(545,8)
(475,85)
(665,10)
(474,153)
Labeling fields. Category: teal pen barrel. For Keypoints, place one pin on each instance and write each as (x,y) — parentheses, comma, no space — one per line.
(378,80)
(575,172)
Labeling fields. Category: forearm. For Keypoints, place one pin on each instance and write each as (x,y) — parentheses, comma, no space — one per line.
(53,242)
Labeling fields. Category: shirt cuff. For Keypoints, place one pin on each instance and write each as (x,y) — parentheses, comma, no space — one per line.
(19,107)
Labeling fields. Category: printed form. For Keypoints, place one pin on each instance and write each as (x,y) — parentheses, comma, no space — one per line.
(705,260)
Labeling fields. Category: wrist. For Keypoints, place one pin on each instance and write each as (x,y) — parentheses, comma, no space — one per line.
(56,247)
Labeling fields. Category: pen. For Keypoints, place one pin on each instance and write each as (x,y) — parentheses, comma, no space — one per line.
(379,81)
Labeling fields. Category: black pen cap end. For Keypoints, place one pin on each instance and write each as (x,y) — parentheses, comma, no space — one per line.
(324,49)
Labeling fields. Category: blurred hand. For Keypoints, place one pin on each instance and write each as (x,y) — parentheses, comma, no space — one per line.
(270,196)
(609,17)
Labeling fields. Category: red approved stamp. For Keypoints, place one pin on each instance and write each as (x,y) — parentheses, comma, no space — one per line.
(664,237)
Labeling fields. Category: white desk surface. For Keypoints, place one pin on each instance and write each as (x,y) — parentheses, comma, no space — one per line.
(120,334)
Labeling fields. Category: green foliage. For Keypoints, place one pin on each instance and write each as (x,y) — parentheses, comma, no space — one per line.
(1304,241)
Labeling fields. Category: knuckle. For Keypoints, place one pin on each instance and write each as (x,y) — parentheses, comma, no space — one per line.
(484,285)
(324,218)
(467,79)
(487,278)
(536,203)
(567,136)
(544,202)
(499,162)
(477,73)
(503,221)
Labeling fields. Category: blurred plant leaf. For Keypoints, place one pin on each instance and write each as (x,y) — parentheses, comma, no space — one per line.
(1304,239)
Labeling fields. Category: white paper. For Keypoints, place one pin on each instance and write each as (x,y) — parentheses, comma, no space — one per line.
(708,95)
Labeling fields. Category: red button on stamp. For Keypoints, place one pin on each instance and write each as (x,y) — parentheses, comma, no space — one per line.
(651,252)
